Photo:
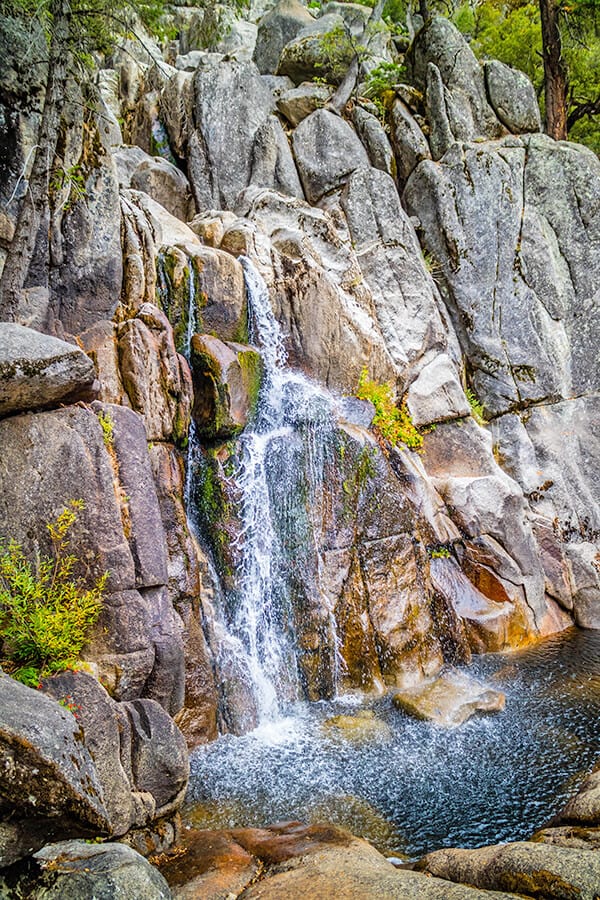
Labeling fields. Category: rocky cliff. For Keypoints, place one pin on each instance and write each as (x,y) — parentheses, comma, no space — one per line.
(453,251)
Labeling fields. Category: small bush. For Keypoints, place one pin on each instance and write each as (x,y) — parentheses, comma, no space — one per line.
(476,407)
(391,422)
(46,612)
(382,80)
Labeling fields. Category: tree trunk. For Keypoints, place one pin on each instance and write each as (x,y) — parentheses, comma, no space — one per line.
(35,201)
(344,91)
(555,72)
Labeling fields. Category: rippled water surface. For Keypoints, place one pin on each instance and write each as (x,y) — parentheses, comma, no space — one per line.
(493,779)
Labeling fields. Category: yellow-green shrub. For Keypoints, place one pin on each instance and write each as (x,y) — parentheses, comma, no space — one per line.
(391,422)
(46,611)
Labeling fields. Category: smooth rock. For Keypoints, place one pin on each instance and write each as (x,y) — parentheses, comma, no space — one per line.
(528,868)
(166,184)
(298,103)
(327,150)
(512,97)
(276,29)
(307,56)
(360,728)
(374,140)
(449,700)
(436,394)
(410,144)
(37,370)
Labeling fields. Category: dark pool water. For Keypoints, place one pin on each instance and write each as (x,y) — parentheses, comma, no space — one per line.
(492,779)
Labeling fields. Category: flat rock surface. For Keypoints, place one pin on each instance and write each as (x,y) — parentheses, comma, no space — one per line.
(37,370)
(449,700)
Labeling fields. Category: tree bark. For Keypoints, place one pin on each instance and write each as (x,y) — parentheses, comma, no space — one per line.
(555,72)
(344,91)
(20,252)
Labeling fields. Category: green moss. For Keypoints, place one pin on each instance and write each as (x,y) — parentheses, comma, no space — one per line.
(391,422)
(252,368)
(173,283)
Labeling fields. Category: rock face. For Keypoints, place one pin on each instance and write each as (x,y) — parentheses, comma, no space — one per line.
(37,370)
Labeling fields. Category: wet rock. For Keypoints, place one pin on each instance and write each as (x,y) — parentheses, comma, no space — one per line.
(74,870)
(327,150)
(525,867)
(360,728)
(226,384)
(48,773)
(584,807)
(298,103)
(449,700)
(37,370)
(276,29)
(512,97)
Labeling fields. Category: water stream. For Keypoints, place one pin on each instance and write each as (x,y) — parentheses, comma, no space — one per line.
(418,787)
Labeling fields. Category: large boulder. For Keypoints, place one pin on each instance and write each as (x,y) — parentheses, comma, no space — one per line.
(327,150)
(276,29)
(37,370)
(48,774)
(449,700)
(512,97)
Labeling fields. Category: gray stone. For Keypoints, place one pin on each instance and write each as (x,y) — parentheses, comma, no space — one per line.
(166,184)
(410,144)
(279,26)
(451,699)
(272,163)
(74,870)
(374,140)
(307,56)
(298,103)
(37,370)
(48,774)
(327,150)
(278,84)
(512,97)
(232,105)
(436,394)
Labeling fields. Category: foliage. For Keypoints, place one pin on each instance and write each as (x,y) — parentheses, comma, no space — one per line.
(391,422)
(382,79)
(338,47)
(107,425)
(439,552)
(476,407)
(46,611)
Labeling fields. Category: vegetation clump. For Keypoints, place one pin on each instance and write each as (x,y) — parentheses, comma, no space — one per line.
(46,611)
(476,407)
(391,422)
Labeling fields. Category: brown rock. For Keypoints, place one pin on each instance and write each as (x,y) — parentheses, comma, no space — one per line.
(449,700)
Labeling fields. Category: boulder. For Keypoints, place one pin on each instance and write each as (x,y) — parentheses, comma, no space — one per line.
(298,103)
(48,774)
(37,370)
(100,344)
(276,29)
(74,870)
(409,142)
(436,393)
(361,728)
(327,150)
(512,97)
(374,140)
(231,107)
(227,380)
(538,870)
(166,184)
(449,700)
(272,163)
(309,54)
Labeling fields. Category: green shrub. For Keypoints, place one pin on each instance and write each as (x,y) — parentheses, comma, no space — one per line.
(382,80)
(391,422)
(476,407)
(46,612)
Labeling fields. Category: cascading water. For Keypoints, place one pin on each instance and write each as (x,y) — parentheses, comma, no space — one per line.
(278,478)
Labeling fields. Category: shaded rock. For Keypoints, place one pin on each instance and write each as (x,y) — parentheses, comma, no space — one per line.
(74,870)
(37,370)
(525,867)
(584,807)
(374,140)
(307,56)
(48,773)
(449,700)
(166,184)
(327,150)
(360,728)
(272,163)
(210,226)
(276,29)
(226,384)
(409,142)
(356,412)
(512,97)
(298,103)
(100,344)
(127,159)
(221,301)
(214,865)
(155,377)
